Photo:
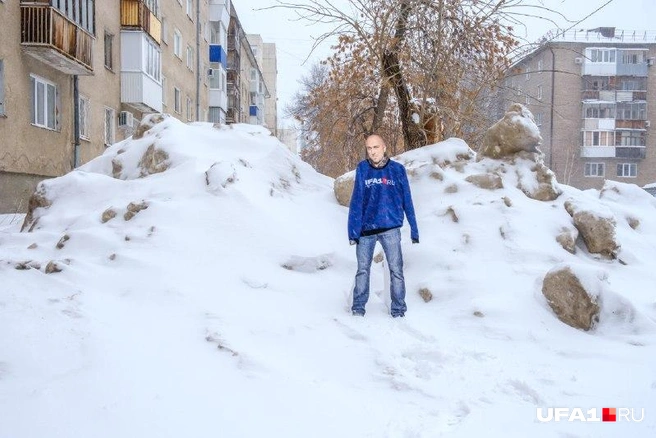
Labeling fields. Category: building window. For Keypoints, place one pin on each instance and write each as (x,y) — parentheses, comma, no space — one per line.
(165,31)
(632,138)
(528,73)
(110,126)
(109,51)
(627,170)
(85,113)
(540,67)
(214,115)
(632,111)
(190,58)
(2,87)
(177,43)
(598,138)
(602,55)
(189,109)
(538,119)
(539,92)
(177,97)
(153,61)
(528,100)
(80,12)
(594,169)
(215,78)
(632,57)
(44,103)
(164,90)
(190,8)
(598,111)
(153,6)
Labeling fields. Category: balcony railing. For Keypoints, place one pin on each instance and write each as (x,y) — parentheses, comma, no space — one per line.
(51,37)
(631,152)
(135,13)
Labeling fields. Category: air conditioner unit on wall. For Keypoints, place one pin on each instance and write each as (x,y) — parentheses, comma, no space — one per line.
(125,119)
(578,60)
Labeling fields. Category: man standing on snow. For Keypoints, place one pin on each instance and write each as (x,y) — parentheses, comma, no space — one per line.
(381,195)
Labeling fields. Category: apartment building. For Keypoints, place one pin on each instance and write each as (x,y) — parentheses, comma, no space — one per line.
(589,92)
(185,35)
(78,75)
(266,57)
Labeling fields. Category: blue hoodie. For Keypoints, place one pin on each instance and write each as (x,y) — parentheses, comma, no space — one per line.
(380,197)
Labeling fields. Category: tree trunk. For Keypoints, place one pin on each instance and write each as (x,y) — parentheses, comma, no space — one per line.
(413,136)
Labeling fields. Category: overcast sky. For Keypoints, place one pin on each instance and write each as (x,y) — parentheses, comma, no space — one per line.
(294,39)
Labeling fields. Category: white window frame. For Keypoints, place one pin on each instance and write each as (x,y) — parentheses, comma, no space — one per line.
(528,73)
(190,58)
(603,55)
(164,95)
(49,109)
(177,100)
(594,170)
(165,31)
(109,136)
(153,60)
(598,138)
(84,119)
(539,92)
(190,8)
(627,170)
(177,43)
(189,109)
(108,48)
(540,63)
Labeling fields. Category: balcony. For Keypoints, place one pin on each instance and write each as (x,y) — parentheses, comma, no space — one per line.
(631,152)
(218,98)
(136,15)
(218,55)
(141,82)
(631,124)
(50,37)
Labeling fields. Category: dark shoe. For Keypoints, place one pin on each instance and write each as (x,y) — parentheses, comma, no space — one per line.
(399,315)
(358,313)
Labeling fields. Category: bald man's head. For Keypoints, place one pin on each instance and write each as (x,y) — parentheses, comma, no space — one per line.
(376,148)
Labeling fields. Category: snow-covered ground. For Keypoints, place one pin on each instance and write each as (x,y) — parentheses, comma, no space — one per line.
(221,308)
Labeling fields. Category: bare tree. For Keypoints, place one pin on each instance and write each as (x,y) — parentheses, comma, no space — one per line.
(415,71)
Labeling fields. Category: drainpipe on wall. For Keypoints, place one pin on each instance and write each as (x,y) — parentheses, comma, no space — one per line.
(76,122)
(551,116)
(197,60)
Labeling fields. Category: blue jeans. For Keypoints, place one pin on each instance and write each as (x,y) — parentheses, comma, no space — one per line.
(391,242)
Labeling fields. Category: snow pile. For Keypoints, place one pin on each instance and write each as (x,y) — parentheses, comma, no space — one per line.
(201,289)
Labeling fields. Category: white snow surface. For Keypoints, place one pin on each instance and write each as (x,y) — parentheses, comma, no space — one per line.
(221,310)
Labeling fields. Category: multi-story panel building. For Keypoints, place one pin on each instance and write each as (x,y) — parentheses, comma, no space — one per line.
(265,55)
(588,92)
(87,71)
(185,39)
(219,22)
(58,59)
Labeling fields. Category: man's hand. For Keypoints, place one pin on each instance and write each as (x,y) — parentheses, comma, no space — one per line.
(415,240)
